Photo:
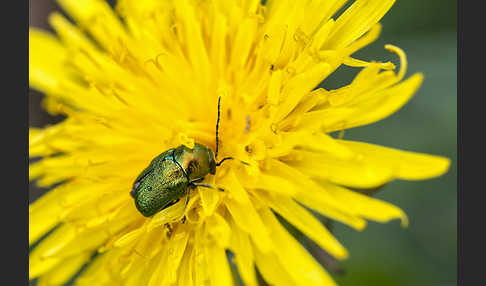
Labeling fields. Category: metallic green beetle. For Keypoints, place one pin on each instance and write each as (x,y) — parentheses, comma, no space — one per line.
(169,176)
(172,174)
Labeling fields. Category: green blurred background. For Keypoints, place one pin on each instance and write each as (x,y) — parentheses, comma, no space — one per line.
(425,253)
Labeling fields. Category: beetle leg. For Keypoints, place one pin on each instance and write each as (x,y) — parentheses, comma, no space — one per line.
(196,181)
(169,230)
(185,207)
(207,186)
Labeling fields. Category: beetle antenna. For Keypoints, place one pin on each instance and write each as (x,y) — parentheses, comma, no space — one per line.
(217,128)
(229,158)
(217,139)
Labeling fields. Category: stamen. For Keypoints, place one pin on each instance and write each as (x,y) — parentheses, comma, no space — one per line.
(403,60)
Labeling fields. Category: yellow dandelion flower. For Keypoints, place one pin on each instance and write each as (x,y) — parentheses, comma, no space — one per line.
(146,77)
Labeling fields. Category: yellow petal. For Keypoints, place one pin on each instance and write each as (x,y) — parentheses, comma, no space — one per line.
(356,20)
(169,214)
(129,237)
(307,223)
(64,271)
(245,215)
(39,265)
(46,72)
(272,43)
(359,63)
(94,273)
(218,267)
(299,263)
(378,106)
(271,269)
(314,141)
(404,164)
(314,196)
(81,242)
(317,200)
(298,86)
(199,259)
(364,40)
(365,206)
(140,274)
(96,16)
(44,214)
(176,248)
(322,35)
(210,199)
(218,44)
(149,245)
(70,33)
(157,275)
(273,183)
(218,229)
(356,172)
(185,272)
(244,257)
(242,43)
(191,29)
